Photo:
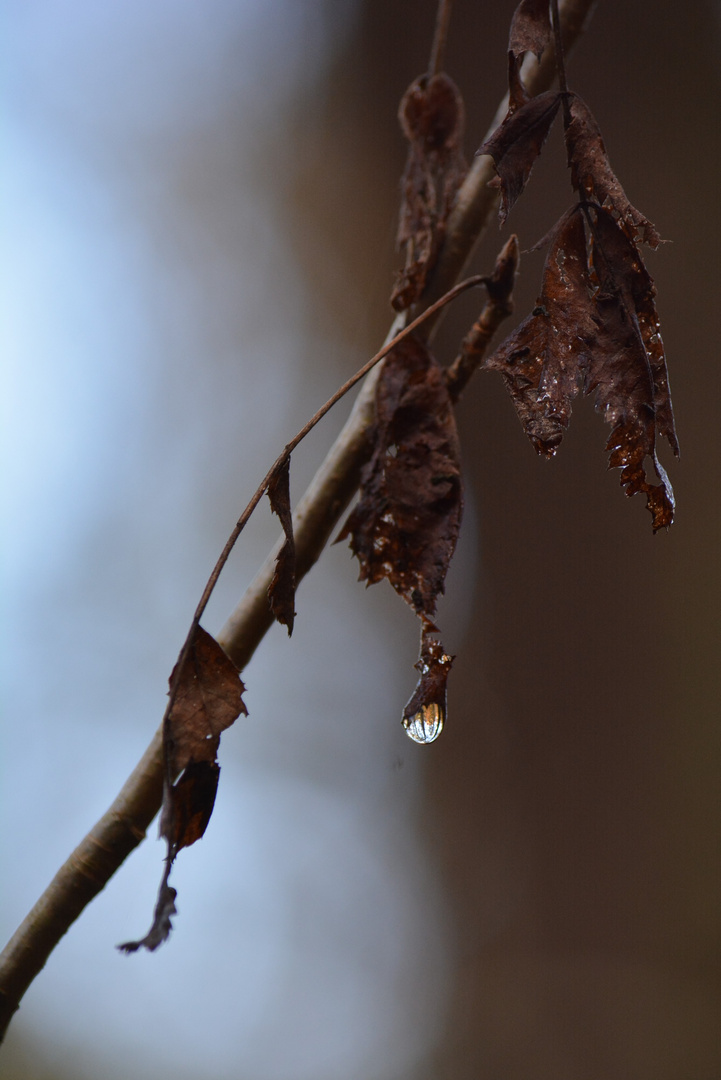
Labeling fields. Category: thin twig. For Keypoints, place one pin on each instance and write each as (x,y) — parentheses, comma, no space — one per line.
(123,827)
(560,62)
(440,37)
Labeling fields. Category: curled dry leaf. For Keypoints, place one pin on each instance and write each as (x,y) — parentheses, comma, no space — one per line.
(594,179)
(431,115)
(406,522)
(516,144)
(425,713)
(281,591)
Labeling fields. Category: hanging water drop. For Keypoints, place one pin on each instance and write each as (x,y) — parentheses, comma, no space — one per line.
(425,725)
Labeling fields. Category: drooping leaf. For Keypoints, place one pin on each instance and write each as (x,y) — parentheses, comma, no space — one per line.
(530,28)
(431,115)
(281,591)
(516,144)
(628,366)
(406,522)
(208,700)
(542,360)
(594,179)
(425,713)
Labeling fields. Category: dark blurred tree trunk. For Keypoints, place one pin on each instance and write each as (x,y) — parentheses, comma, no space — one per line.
(572,802)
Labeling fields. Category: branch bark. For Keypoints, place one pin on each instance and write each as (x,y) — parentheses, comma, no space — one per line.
(124,826)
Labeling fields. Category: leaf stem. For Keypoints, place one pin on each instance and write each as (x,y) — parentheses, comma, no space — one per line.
(560,62)
(440,37)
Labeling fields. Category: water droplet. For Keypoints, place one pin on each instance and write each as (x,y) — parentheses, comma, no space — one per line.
(426,725)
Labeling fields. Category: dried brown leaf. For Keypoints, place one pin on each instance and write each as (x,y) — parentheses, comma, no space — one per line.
(516,144)
(208,700)
(406,522)
(425,713)
(432,116)
(281,591)
(594,179)
(542,360)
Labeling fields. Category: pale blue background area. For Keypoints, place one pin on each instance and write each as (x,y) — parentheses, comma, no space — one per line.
(156,336)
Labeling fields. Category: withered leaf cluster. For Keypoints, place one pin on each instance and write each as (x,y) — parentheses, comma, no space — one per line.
(595,327)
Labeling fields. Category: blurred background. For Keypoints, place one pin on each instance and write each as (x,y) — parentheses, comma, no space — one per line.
(200,209)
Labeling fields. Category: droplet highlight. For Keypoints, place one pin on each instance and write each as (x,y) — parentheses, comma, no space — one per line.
(426,725)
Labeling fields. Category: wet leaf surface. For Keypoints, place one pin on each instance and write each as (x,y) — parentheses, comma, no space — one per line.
(406,522)
(425,713)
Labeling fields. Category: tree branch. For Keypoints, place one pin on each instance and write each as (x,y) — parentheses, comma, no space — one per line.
(123,827)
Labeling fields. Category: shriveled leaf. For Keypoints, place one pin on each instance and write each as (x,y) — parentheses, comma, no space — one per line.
(432,118)
(188,810)
(160,930)
(530,28)
(406,522)
(541,362)
(628,366)
(208,700)
(281,591)
(595,180)
(425,713)
(516,144)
